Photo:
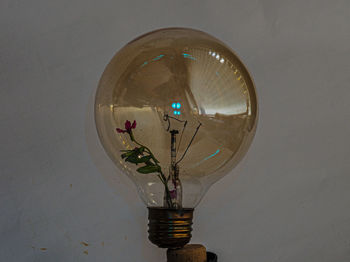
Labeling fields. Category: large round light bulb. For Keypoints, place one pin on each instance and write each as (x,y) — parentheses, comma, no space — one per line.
(176,110)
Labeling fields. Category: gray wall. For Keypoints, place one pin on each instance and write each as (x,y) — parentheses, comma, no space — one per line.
(287,201)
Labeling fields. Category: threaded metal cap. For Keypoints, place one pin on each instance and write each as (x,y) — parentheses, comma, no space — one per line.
(170,228)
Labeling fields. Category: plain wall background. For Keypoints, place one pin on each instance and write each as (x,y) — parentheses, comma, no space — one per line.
(288,200)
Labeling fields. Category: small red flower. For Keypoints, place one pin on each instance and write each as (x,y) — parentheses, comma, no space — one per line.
(128,127)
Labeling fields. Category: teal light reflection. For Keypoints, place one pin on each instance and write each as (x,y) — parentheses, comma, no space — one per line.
(189,56)
(217,151)
(158,57)
(208,157)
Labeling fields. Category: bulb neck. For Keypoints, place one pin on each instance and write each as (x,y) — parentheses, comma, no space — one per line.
(175,189)
(170,228)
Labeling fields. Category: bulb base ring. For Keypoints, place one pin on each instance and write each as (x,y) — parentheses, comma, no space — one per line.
(170,228)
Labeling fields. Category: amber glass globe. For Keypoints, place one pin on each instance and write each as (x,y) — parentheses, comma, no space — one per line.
(192,109)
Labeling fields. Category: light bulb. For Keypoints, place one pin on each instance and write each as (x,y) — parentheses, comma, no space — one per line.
(176,110)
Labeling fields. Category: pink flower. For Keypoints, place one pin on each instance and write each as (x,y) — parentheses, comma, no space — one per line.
(128,127)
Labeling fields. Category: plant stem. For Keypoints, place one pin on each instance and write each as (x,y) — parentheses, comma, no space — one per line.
(160,175)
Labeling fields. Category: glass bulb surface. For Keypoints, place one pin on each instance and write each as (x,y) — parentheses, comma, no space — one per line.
(195,110)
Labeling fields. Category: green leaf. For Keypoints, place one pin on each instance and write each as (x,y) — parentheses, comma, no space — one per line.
(144,159)
(137,159)
(141,149)
(149,163)
(133,158)
(148,169)
(138,150)
(128,153)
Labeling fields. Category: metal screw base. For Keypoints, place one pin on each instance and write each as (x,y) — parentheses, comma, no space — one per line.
(170,228)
